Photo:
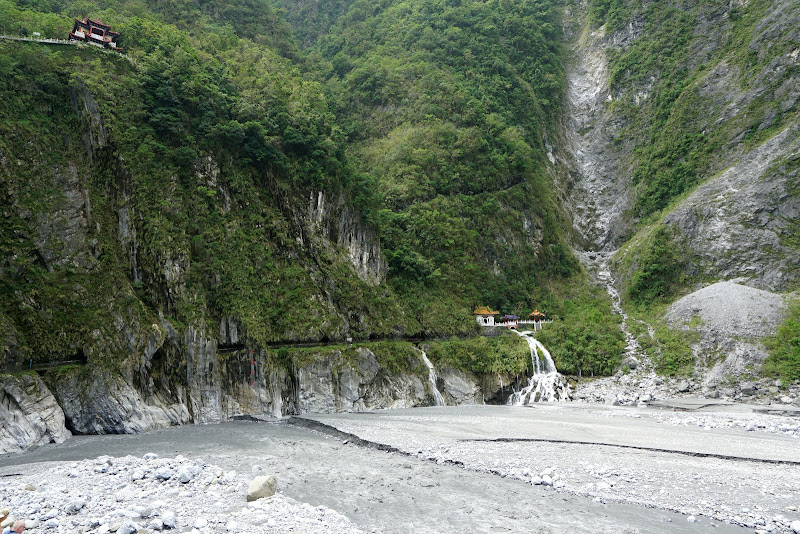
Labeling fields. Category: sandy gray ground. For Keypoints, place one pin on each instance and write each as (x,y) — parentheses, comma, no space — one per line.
(752,477)
(385,492)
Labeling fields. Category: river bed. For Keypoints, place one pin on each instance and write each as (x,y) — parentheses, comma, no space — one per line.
(444,481)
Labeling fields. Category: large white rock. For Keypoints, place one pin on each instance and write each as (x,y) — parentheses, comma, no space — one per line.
(261,487)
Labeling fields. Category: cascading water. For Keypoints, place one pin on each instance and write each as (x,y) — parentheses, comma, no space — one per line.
(546,384)
(437,395)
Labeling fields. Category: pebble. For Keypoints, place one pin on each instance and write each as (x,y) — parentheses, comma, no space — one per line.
(795,526)
(168,519)
(187,473)
(128,527)
(260,487)
(164,473)
(75,506)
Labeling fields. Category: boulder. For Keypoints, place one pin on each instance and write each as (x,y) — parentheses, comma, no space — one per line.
(748,389)
(631,362)
(260,487)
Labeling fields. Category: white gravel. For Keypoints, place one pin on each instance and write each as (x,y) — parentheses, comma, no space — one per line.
(129,494)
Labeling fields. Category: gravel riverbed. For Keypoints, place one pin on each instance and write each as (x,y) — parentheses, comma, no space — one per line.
(458,469)
(129,495)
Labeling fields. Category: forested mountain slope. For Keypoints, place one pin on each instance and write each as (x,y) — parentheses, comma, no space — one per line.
(170,213)
(258,173)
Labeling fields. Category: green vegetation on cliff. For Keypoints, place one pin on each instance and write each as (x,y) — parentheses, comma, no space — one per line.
(784,347)
(696,86)
(686,129)
(445,106)
(168,184)
(219,172)
(584,338)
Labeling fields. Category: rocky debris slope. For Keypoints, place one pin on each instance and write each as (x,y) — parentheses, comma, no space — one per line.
(640,383)
(131,495)
(29,414)
(731,319)
(637,386)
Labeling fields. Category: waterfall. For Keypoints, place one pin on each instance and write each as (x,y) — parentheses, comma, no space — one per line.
(546,384)
(437,395)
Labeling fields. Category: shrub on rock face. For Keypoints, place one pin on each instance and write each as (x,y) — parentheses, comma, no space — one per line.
(659,269)
(261,487)
(784,348)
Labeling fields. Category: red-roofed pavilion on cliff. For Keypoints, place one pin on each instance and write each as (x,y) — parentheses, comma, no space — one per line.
(96,33)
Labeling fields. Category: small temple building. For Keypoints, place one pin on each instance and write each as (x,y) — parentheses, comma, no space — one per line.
(536,315)
(484,315)
(96,33)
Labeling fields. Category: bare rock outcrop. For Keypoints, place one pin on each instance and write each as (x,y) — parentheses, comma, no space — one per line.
(332,384)
(29,414)
(739,223)
(101,402)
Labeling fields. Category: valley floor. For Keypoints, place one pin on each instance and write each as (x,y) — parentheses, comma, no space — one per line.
(546,468)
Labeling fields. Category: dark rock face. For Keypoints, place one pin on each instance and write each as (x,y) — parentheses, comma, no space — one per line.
(333,220)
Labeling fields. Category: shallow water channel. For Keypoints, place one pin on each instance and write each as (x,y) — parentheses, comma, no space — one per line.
(385,491)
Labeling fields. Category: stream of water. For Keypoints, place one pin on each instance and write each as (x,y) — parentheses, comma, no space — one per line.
(546,384)
(437,395)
